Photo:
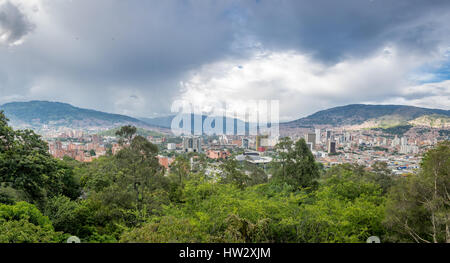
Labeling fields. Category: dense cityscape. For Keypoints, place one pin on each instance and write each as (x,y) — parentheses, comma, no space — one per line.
(401,151)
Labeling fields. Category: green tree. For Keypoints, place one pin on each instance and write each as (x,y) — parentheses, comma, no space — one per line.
(6,134)
(128,186)
(126,133)
(63,213)
(257,175)
(283,148)
(296,165)
(418,208)
(167,230)
(24,223)
(180,169)
(141,169)
(340,210)
(179,172)
(382,175)
(231,174)
(27,167)
(82,218)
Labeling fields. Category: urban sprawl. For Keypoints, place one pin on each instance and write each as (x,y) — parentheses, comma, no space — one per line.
(402,153)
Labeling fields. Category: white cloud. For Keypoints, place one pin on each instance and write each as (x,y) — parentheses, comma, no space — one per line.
(429,95)
(303,85)
(128,101)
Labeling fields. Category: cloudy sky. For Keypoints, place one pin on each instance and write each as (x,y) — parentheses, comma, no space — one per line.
(135,57)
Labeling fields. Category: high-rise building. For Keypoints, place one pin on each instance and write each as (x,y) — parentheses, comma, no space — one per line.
(406,149)
(328,134)
(317,131)
(192,144)
(311,138)
(403,141)
(347,137)
(331,146)
(395,141)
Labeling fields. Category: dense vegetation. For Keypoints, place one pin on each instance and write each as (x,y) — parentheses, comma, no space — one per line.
(139,131)
(399,130)
(129,198)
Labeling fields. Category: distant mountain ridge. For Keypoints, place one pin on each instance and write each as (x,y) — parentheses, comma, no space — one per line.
(166,122)
(36,114)
(369,116)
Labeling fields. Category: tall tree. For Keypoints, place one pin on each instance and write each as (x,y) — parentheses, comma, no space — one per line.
(27,166)
(296,165)
(126,133)
(283,147)
(418,209)
(232,174)
(140,168)
(6,134)
(382,175)
(180,169)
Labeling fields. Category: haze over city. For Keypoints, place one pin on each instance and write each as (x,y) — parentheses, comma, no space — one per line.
(136,57)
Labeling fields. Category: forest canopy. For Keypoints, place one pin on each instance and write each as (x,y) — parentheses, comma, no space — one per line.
(129,197)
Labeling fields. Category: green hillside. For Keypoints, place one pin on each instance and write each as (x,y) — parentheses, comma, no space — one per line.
(140,131)
(356,114)
(38,113)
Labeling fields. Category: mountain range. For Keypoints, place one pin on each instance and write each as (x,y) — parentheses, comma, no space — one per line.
(36,114)
(357,116)
(374,116)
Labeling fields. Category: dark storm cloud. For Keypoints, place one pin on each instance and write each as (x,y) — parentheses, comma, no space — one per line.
(138,38)
(333,30)
(130,56)
(99,47)
(14,25)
